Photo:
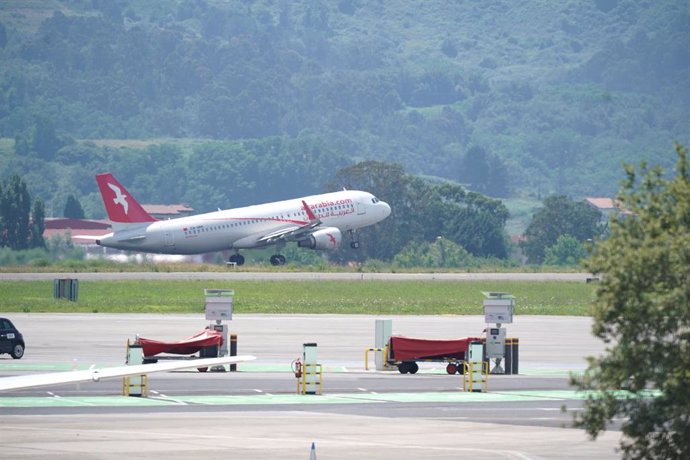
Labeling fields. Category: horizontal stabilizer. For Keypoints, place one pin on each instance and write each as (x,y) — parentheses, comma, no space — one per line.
(90,237)
(132,239)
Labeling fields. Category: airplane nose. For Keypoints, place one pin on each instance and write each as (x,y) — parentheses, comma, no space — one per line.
(386,209)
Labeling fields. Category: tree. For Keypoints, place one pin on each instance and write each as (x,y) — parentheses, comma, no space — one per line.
(475,168)
(21,145)
(45,141)
(472,220)
(559,216)
(3,225)
(15,207)
(439,254)
(73,209)
(566,251)
(422,212)
(389,183)
(642,311)
(38,215)
(3,35)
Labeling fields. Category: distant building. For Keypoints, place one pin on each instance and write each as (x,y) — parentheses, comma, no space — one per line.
(84,232)
(88,227)
(76,227)
(607,207)
(167,211)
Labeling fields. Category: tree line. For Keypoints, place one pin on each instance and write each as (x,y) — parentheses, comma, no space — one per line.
(495,111)
(462,227)
(21,223)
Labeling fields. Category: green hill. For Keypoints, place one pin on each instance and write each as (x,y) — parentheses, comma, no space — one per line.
(516,98)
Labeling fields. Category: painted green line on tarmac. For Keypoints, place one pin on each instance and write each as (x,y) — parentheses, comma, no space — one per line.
(80,401)
(43,367)
(445,397)
(286,399)
(278,367)
(271,399)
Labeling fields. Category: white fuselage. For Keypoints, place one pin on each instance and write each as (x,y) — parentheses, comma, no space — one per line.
(243,228)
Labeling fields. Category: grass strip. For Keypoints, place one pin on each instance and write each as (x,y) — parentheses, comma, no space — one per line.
(308,297)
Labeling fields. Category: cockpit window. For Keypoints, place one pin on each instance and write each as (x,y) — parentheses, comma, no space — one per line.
(374,200)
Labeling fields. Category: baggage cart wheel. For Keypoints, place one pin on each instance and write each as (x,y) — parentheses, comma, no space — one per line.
(452,368)
(408,367)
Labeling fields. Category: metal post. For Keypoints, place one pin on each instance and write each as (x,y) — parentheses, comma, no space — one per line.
(233,350)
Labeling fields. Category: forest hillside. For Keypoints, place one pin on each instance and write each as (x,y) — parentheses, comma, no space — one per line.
(513,98)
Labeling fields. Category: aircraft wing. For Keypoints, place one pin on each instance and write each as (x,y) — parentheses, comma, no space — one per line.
(292,233)
(94,375)
(287,234)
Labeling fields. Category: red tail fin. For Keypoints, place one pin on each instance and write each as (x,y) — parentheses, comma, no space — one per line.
(120,205)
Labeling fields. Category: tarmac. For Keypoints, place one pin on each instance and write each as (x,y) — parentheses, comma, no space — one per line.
(256,413)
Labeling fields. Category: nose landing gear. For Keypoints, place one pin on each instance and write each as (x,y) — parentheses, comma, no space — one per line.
(353,236)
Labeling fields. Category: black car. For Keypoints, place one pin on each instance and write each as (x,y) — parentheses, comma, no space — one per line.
(11,340)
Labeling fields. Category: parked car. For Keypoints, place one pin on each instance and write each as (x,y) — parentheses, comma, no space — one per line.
(11,340)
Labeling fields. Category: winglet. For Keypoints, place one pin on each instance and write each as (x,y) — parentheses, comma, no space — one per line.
(310,213)
(119,203)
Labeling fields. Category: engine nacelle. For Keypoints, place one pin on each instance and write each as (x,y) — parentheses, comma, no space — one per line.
(326,238)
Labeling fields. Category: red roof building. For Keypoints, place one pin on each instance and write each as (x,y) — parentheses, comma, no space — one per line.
(167,211)
(76,227)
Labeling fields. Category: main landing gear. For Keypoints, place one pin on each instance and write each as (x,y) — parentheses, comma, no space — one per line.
(353,236)
(277,259)
(237,259)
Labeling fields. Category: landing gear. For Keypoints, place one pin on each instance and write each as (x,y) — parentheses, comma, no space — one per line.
(277,259)
(237,259)
(353,236)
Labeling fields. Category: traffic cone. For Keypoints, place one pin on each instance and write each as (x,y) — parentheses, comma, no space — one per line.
(312,454)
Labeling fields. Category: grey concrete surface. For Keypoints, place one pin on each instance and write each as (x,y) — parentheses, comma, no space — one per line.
(296,276)
(287,435)
(546,342)
(398,429)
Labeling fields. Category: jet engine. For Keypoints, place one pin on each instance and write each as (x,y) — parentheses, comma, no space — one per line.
(326,238)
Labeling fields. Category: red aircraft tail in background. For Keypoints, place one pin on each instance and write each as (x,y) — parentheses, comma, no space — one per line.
(119,203)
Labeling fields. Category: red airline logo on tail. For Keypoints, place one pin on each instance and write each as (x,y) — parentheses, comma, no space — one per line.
(119,203)
(119,197)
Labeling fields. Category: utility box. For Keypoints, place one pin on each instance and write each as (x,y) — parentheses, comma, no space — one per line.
(309,353)
(474,376)
(498,307)
(224,330)
(498,310)
(495,342)
(384,330)
(219,304)
(66,288)
(311,375)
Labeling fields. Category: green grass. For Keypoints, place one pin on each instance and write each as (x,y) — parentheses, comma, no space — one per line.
(338,297)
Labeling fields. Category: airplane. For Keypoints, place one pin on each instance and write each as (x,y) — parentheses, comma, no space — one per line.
(94,375)
(314,222)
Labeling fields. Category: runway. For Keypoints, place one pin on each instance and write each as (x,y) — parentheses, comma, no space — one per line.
(256,413)
(231,275)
